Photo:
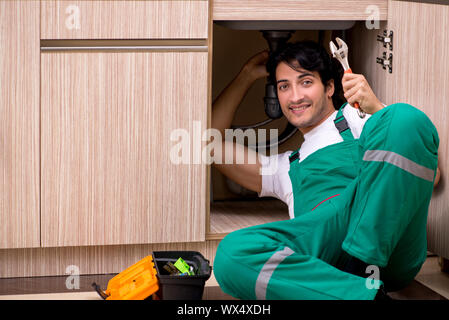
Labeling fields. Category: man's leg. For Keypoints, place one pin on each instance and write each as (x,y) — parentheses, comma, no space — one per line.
(408,255)
(399,146)
(292,259)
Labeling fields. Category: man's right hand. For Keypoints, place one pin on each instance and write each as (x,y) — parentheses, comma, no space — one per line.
(226,104)
(255,67)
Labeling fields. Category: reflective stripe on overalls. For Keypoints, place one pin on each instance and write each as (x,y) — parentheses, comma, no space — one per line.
(384,182)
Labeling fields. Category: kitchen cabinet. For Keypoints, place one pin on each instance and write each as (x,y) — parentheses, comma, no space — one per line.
(19,124)
(107,176)
(86,120)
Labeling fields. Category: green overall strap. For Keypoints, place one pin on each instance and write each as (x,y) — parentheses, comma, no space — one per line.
(342,125)
(294,156)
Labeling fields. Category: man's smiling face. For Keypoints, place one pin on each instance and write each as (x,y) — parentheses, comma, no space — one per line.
(304,100)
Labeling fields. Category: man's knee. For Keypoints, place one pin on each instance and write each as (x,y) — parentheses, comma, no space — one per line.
(408,117)
(227,250)
(411,127)
(402,128)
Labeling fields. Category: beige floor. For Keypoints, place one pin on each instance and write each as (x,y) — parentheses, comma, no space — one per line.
(91,295)
(430,276)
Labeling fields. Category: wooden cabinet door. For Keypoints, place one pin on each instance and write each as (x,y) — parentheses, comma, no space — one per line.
(420,77)
(19,124)
(124,19)
(106,172)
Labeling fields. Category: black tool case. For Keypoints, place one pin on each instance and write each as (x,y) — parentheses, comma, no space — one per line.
(181,287)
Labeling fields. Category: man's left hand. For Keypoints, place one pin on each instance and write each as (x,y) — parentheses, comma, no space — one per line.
(357,89)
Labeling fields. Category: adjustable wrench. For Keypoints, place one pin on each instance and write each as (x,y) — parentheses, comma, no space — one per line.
(341,54)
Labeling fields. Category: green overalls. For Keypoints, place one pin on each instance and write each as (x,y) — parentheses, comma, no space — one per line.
(367,198)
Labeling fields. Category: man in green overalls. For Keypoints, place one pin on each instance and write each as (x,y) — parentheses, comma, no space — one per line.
(358,190)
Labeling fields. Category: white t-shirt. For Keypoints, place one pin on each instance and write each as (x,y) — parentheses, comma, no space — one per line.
(275,179)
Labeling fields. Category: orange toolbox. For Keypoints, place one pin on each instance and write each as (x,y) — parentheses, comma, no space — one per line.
(150,278)
(137,282)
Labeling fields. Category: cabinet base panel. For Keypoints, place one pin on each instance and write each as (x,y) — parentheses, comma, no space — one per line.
(35,262)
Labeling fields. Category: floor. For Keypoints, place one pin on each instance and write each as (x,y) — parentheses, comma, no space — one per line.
(430,284)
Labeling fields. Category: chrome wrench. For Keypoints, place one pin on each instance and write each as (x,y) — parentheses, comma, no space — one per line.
(341,54)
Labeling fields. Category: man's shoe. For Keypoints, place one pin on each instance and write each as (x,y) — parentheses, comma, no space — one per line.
(382,295)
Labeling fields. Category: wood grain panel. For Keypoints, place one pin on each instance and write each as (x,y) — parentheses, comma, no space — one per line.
(228,216)
(125,19)
(364,49)
(107,118)
(19,124)
(420,77)
(210,46)
(296,9)
(35,262)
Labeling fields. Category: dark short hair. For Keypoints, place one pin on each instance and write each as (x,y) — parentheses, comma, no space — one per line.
(312,57)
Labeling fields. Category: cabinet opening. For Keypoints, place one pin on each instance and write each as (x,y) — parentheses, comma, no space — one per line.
(232,206)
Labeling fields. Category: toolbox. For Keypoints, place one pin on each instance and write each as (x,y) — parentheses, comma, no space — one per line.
(137,282)
(181,287)
(150,278)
